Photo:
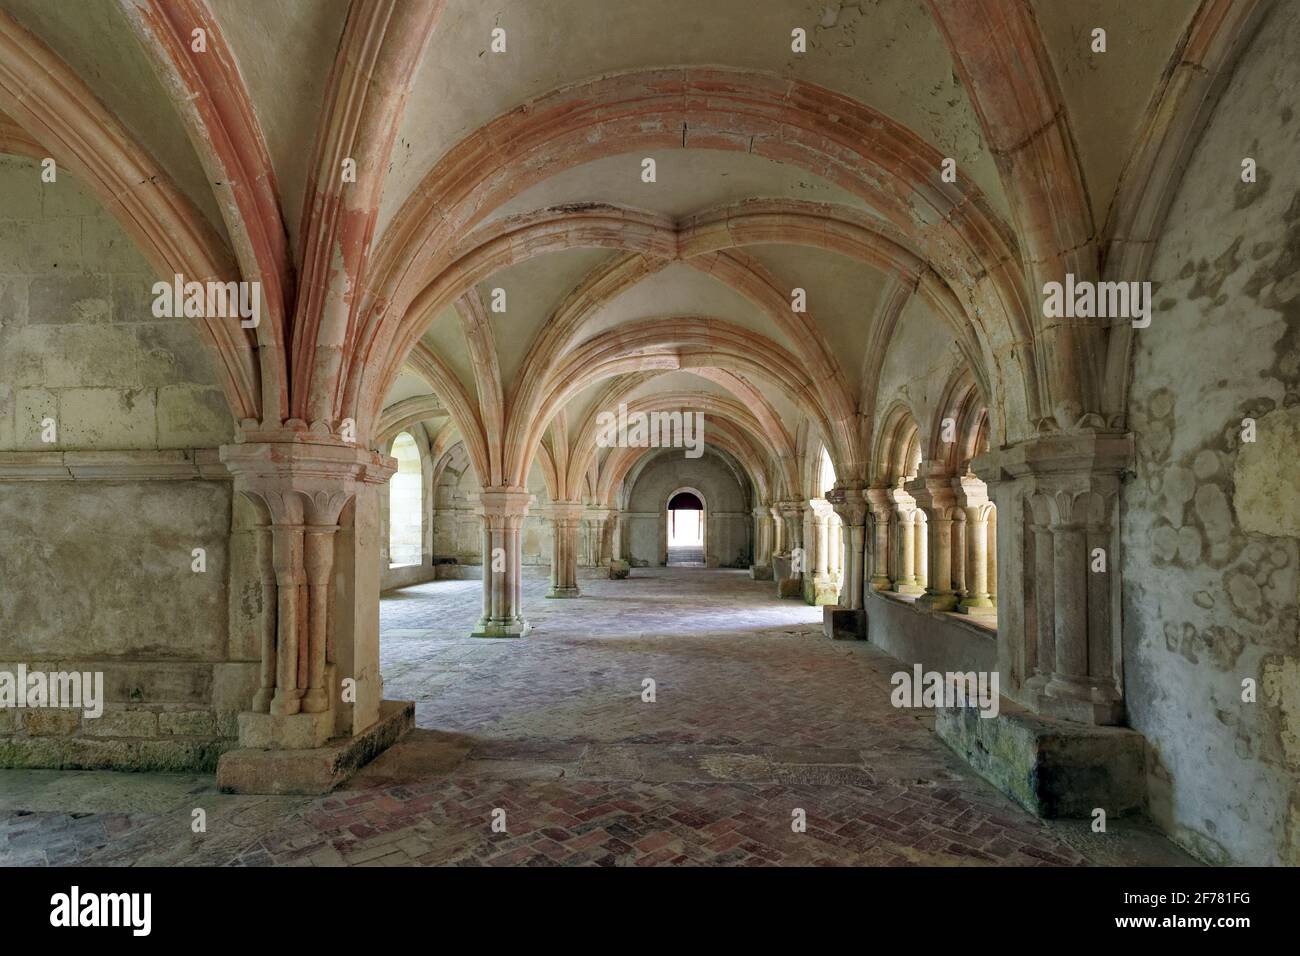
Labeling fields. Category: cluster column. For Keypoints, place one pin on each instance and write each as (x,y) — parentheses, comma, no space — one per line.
(906,579)
(881,505)
(566,521)
(300,482)
(851,504)
(972,498)
(503,511)
(824,587)
(1057,503)
(935,496)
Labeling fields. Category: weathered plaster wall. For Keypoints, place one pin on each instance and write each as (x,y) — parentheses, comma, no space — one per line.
(1211,524)
(917,366)
(729,534)
(97,573)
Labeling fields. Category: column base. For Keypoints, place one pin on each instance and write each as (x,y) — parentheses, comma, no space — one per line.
(564,592)
(974,605)
(488,628)
(844,624)
(938,602)
(1052,768)
(1080,701)
(826,591)
(881,583)
(314,770)
(908,589)
(760,572)
(301,731)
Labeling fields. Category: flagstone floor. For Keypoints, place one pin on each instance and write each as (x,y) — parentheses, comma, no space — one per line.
(683,716)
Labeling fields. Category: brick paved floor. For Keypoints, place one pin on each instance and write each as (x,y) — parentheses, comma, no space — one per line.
(755,717)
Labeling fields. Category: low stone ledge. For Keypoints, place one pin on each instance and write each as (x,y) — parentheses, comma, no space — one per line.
(175,755)
(1052,768)
(318,770)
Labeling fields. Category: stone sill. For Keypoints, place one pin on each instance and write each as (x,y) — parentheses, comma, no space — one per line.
(983,625)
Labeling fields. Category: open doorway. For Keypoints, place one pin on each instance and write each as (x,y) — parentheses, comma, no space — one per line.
(686,527)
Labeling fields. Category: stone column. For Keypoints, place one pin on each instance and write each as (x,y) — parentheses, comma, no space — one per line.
(905,518)
(616,537)
(788,568)
(503,511)
(598,522)
(566,522)
(300,482)
(935,496)
(851,504)
(973,500)
(778,531)
(824,589)
(881,505)
(761,569)
(1064,648)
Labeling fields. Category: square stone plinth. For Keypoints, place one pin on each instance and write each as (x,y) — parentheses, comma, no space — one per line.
(315,770)
(1053,768)
(844,624)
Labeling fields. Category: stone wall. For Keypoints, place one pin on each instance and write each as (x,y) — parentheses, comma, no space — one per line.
(98,528)
(728,506)
(1211,524)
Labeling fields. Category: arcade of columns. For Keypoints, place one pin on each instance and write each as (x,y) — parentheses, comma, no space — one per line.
(307,386)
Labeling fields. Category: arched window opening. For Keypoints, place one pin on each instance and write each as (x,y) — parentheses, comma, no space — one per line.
(827,472)
(685,529)
(405,505)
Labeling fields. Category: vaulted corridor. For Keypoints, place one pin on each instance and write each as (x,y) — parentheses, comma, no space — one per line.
(755,716)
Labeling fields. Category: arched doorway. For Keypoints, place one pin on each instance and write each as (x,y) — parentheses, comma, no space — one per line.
(686,526)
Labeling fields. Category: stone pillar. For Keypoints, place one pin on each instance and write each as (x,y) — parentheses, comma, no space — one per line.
(778,531)
(1062,645)
(882,511)
(761,569)
(851,504)
(905,519)
(300,482)
(825,589)
(566,522)
(598,522)
(503,511)
(972,498)
(847,619)
(788,567)
(935,496)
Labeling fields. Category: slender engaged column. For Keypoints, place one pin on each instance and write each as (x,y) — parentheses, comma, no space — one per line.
(289,578)
(270,610)
(319,564)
